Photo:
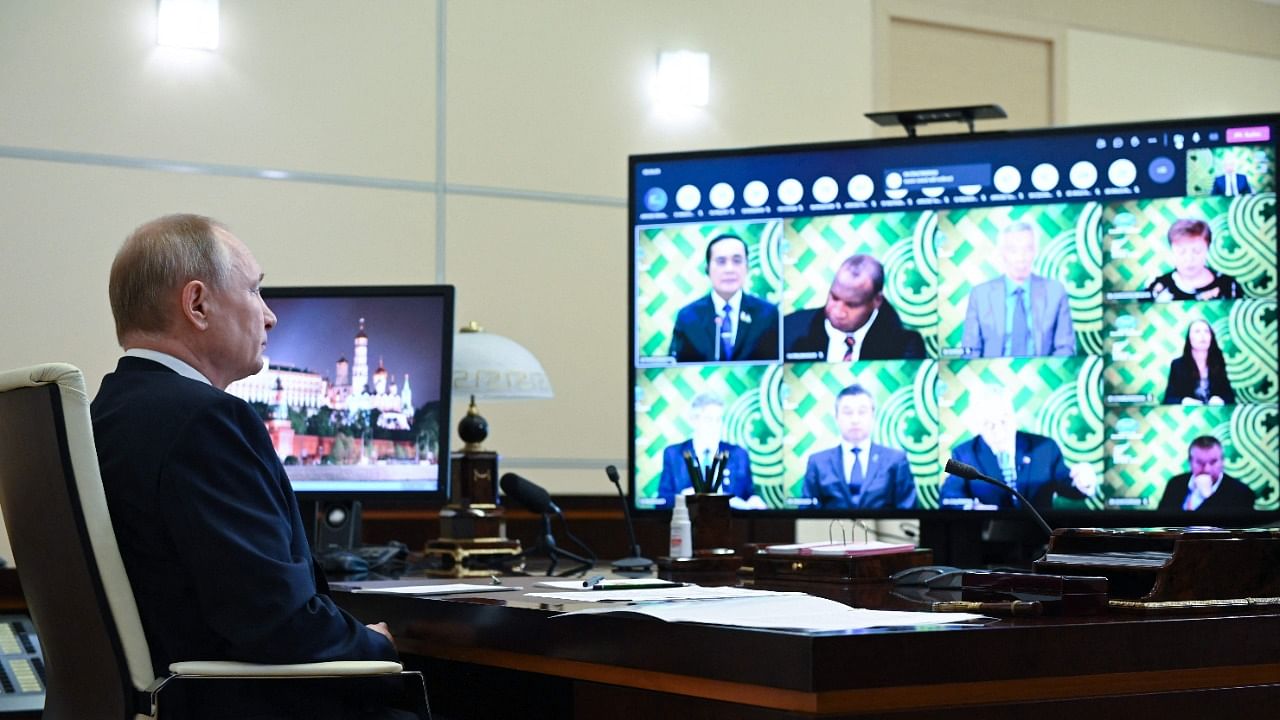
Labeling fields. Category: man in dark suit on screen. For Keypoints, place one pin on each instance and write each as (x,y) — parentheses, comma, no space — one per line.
(856,323)
(1230,182)
(706,416)
(1207,487)
(207,523)
(1032,464)
(726,324)
(858,473)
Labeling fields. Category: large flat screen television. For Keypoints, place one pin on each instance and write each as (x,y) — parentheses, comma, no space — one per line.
(1087,314)
(354,390)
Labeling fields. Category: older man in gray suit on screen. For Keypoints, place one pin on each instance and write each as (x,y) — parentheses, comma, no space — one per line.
(1019,314)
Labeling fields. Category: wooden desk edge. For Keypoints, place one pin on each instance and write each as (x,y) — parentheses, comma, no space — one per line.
(863,700)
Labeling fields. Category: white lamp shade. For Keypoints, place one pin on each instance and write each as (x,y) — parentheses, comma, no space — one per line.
(497,368)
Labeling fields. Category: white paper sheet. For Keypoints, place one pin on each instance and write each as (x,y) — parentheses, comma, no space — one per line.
(782,611)
(688,592)
(446,589)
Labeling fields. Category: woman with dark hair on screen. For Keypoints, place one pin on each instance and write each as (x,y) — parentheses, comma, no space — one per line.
(1199,377)
(1191,277)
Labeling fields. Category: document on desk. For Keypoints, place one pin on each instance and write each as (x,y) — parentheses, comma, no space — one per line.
(683,592)
(439,589)
(782,611)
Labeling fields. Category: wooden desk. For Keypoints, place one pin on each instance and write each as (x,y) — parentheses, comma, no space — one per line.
(502,655)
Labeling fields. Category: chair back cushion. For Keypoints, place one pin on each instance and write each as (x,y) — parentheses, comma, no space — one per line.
(64,546)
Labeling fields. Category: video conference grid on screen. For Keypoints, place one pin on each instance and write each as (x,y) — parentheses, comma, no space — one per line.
(1088,315)
(354,387)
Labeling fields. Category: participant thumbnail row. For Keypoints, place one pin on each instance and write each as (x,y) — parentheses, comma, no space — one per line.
(1010,281)
(875,436)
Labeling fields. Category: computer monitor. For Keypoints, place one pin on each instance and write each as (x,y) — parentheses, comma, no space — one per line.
(1087,314)
(354,390)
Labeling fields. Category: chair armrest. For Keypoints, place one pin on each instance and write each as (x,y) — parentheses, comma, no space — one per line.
(335,668)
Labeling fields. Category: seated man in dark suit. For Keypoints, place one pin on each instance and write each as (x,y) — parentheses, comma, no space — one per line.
(1030,463)
(1018,314)
(858,473)
(706,416)
(1206,487)
(726,324)
(855,324)
(207,523)
(1230,182)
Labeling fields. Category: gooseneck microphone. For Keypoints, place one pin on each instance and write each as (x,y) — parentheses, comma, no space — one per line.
(969,472)
(535,499)
(634,563)
(532,496)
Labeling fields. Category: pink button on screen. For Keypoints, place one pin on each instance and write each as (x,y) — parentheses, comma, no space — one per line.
(1261,133)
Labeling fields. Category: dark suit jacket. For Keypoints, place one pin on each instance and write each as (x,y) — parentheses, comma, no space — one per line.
(1232,495)
(1042,472)
(1220,185)
(887,481)
(984,330)
(694,337)
(211,536)
(1184,377)
(675,473)
(804,334)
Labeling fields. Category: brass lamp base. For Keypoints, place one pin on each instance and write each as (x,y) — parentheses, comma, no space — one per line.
(479,557)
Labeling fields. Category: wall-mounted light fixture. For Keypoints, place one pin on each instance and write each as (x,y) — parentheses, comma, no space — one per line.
(683,79)
(187,24)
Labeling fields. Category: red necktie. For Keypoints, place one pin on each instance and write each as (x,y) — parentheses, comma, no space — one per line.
(848,344)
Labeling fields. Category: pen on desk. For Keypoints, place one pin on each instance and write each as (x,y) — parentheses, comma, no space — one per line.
(1015,608)
(592,581)
(604,585)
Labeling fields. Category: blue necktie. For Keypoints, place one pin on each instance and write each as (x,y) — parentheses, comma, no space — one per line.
(726,333)
(1019,336)
(1009,471)
(855,473)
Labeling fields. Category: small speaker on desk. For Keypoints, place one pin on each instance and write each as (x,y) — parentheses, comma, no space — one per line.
(337,523)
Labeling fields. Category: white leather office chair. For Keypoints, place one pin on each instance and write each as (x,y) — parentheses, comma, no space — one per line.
(97,663)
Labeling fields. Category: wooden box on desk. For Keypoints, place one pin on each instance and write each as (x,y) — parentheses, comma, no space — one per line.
(836,568)
(1150,568)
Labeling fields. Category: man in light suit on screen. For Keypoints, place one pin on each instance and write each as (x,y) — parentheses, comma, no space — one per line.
(1019,314)
(858,473)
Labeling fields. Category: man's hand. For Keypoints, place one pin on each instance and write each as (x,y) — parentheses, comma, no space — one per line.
(381,629)
(1084,478)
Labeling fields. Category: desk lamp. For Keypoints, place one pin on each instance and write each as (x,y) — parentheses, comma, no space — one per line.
(472,528)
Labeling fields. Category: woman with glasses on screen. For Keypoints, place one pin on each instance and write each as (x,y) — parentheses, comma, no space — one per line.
(1199,376)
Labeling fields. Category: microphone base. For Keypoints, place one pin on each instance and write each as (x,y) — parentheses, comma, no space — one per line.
(632,564)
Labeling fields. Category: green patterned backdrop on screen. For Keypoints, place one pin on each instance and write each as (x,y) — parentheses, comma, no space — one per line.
(670,273)
(1136,240)
(901,241)
(1147,446)
(1056,397)
(906,414)
(1255,162)
(1070,252)
(1144,337)
(752,419)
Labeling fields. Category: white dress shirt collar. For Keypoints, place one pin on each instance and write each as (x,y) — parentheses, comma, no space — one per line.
(835,339)
(168,361)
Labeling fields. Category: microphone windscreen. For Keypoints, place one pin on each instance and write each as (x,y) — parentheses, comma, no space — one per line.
(531,496)
(959,469)
(612,472)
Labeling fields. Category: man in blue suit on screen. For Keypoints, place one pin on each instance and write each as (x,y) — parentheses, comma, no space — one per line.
(706,415)
(1031,463)
(1018,314)
(208,527)
(1230,182)
(726,324)
(858,473)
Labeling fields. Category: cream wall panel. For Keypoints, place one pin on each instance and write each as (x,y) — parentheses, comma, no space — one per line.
(552,277)
(1013,72)
(64,223)
(553,95)
(1122,78)
(347,90)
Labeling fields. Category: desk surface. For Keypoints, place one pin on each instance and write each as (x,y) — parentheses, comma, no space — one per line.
(1003,662)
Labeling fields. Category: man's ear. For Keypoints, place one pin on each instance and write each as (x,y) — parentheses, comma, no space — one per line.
(195,304)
